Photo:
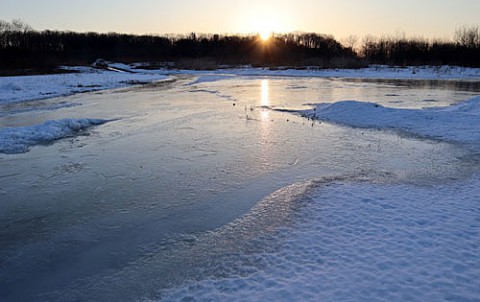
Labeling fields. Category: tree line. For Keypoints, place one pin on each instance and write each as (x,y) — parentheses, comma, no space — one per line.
(464,50)
(22,47)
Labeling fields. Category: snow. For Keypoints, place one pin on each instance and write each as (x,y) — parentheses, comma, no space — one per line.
(210,78)
(357,241)
(24,88)
(20,139)
(373,72)
(456,123)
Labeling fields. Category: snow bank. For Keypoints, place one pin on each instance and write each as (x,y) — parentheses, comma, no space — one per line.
(373,72)
(457,123)
(20,139)
(363,242)
(407,73)
(210,78)
(84,79)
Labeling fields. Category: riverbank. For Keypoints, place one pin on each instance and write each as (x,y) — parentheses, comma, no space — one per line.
(14,89)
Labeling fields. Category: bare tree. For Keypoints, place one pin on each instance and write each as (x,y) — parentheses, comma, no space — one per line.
(468,36)
(351,42)
(5,26)
(16,25)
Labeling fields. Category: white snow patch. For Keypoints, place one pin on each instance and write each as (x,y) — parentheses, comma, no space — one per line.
(209,78)
(457,123)
(20,139)
(363,242)
(25,88)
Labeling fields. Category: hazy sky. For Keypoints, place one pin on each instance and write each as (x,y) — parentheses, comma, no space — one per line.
(429,18)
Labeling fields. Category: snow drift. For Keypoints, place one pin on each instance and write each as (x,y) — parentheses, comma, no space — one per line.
(456,123)
(20,139)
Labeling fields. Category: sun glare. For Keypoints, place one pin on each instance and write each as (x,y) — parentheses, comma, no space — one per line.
(265,22)
(265,35)
(264,100)
(266,26)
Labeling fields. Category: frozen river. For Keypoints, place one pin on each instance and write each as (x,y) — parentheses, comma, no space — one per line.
(192,174)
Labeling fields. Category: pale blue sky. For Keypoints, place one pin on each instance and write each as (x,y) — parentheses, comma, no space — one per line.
(429,18)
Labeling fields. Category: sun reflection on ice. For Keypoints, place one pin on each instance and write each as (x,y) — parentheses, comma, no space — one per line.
(265,100)
(265,128)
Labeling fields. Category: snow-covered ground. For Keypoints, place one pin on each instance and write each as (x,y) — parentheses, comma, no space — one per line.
(20,139)
(360,241)
(19,89)
(373,72)
(457,123)
(83,79)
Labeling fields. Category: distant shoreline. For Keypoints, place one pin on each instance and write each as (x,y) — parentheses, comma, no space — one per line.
(30,72)
(29,85)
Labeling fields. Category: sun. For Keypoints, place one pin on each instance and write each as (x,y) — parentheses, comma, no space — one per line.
(265,35)
(266,28)
(265,22)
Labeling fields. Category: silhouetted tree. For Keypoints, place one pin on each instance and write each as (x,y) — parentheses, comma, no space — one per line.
(23,47)
(468,36)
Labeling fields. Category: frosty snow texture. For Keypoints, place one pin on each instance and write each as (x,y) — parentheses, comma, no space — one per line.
(21,139)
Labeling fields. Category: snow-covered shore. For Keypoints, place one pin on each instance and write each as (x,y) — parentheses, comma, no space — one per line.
(84,79)
(456,123)
(19,139)
(362,241)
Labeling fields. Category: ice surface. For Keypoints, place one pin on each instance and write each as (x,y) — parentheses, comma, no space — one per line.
(357,241)
(21,139)
(457,123)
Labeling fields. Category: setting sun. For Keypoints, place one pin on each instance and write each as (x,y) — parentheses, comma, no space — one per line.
(265,35)
(266,25)
(265,21)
